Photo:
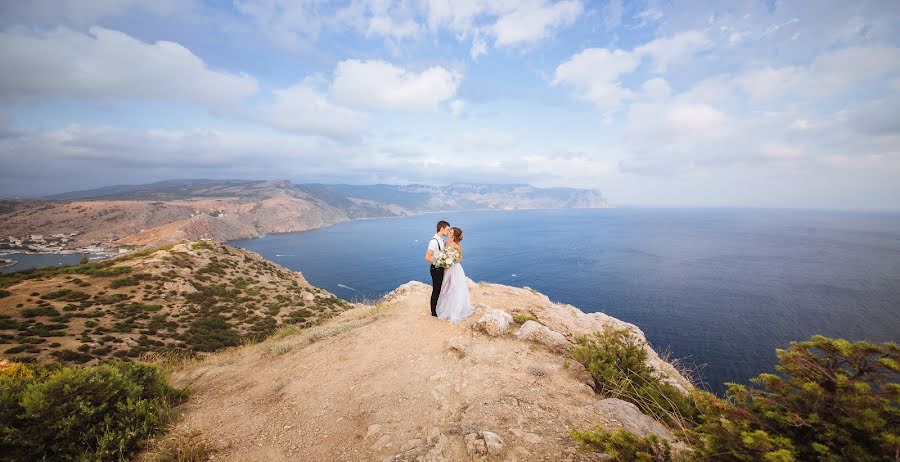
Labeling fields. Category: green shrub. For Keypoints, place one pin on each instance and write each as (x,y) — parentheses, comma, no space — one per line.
(617,362)
(211,333)
(5,293)
(116,283)
(833,400)
(623,446)
(201,245)
(523,318)
(102,412)
(66,295)
(39,311)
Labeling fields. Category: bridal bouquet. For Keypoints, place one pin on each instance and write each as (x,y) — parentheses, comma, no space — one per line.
(447,258)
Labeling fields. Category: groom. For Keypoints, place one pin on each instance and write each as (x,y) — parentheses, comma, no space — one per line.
(437,273)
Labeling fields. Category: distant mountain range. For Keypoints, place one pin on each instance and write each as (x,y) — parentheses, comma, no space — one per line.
(168,211)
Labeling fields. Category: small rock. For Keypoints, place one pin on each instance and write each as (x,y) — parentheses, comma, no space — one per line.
(493,442)
(532,438)
(382,442)
(373,430)
(410,445)
(495,322)
(433,435)
(470,439)
(307,296)
(480,447)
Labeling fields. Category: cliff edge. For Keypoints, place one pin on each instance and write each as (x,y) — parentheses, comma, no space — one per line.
(389,382)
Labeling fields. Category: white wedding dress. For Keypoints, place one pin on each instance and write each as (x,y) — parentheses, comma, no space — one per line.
(453,304)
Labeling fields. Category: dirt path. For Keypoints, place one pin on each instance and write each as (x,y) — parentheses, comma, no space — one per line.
(393,383)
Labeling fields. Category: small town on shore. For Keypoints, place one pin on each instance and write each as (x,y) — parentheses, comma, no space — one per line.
(59,244)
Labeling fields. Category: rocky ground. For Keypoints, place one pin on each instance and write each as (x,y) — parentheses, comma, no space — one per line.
(389,382)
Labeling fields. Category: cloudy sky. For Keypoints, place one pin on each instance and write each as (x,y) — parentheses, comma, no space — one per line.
(754,103)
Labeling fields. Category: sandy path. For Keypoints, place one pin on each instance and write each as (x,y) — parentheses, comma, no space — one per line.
(392,388)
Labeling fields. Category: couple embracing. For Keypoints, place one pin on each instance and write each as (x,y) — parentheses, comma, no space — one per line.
(449,289)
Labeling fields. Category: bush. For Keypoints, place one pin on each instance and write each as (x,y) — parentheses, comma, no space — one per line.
(66,295)
(201,244)
(102,412)
(39,311)
(116,283)
(617,361)
(623,446)
(833,400)
(5,293)
(211,333)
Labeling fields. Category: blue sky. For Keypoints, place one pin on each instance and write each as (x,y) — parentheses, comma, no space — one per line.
(741,103)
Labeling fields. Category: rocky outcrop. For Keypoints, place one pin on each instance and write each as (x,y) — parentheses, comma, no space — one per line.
(391,383)
(618,413)
(534,332)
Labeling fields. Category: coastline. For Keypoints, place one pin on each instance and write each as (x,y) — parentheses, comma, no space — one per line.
(6,263)
(262,235)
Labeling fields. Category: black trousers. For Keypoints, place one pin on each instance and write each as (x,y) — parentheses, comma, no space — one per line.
(437,277)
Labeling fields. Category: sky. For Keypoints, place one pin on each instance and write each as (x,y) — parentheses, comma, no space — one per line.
(658,103)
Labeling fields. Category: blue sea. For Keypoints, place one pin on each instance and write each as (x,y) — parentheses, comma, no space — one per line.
(719,288)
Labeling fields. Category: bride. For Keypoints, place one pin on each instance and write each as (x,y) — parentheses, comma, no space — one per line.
(453,304)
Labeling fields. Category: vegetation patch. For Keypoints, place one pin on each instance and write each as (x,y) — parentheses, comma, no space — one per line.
(66,295)
(523,318)
(832,400)
(104,412)
(211,333)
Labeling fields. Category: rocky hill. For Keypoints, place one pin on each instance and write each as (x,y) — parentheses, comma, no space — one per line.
(390,382)
(167,212)
(188,297)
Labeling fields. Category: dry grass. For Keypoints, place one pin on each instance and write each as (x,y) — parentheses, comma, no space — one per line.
(177,448)
(689,370)
(286,338)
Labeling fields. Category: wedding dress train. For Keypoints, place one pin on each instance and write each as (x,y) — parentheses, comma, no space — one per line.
(453,304)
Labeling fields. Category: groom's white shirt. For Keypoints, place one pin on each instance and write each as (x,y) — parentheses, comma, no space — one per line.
(436,244)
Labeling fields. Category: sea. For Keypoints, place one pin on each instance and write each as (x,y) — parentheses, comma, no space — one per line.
(720,289)
(28,261)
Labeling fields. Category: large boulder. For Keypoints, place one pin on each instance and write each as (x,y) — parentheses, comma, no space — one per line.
(623,414)
(536,332)
(495,323)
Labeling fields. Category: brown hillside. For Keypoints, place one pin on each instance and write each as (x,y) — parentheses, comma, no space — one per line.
(187,297)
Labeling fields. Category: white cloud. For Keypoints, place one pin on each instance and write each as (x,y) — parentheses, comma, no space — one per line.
(667,50)
(485,138)
(299,24)
(106,64)
(596,72)
(381,85)
(302,109)
(528,25)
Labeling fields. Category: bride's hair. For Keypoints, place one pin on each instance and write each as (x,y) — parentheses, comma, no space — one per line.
(456,233)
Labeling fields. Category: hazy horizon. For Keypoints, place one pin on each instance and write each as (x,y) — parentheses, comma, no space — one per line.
(674,104)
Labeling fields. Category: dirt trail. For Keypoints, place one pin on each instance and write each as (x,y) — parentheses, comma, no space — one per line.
(393,383)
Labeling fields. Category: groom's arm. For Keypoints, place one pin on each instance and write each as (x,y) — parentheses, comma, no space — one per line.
(429,256)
